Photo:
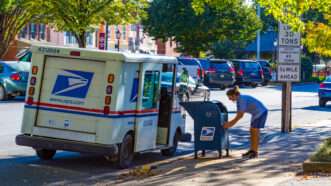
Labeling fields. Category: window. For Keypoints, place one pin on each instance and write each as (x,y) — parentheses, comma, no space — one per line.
(89,39)
(124,32)
(150,90)
(42,31)
(70,39)
(23,32)
(33,31)
(133,28)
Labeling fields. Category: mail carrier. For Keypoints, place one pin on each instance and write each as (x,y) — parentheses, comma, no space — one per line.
(102,102)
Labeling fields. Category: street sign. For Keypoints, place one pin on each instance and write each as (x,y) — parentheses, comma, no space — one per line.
(289,55)
(288,72)
(287,37)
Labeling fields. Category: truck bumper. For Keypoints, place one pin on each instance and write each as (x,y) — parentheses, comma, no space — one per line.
(37,142)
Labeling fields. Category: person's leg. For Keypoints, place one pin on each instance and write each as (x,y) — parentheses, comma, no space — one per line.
(255,139)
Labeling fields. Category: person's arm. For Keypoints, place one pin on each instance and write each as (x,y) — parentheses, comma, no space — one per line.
(234,120)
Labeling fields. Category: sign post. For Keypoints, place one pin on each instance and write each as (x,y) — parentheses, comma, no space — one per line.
(288,70)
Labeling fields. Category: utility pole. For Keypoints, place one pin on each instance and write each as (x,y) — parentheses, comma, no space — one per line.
(106,36)
(258,37)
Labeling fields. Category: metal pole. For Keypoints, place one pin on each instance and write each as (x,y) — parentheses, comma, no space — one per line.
(258,38)
(106,37)
(287,107)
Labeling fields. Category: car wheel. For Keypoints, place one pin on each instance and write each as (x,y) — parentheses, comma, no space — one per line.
(45,154)
(126,152)
(222,87)
(322,103)
(3,93)
(254,85)
(172,150)
(265,83)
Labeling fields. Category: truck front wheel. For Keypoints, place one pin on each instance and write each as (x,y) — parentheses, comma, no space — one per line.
(126,152)
(45,154)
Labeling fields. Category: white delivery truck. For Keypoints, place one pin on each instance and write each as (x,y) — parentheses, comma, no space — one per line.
(112,103)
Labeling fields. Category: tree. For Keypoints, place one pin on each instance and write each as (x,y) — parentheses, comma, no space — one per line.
(82,16)
(317,33)
(14,15)
(177,20)
(311,17)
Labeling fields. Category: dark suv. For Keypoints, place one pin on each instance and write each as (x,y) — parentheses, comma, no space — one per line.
(267,73)
(248,72)
(219,73)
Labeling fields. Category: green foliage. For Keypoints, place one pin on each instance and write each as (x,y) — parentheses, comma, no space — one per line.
(306,68)
(227,49)
(323,154)
(317,33)
(311,17)
(177,20)
(14,15)
(82,16)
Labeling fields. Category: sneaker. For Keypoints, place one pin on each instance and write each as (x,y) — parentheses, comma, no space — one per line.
(247,153)
(250,154)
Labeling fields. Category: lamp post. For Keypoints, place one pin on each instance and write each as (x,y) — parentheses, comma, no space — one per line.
(118,37)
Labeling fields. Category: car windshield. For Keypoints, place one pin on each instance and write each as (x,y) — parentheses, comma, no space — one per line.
(250,65)
(264,64)
(188,61)
(21,66)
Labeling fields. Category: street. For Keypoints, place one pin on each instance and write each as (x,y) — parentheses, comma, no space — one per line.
(20,166)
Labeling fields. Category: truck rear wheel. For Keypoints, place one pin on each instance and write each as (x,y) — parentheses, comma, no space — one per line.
(172,150)
(322,102)
(126,152)
(45,154)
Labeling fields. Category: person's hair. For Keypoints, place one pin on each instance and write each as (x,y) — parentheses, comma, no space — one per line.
(233,91)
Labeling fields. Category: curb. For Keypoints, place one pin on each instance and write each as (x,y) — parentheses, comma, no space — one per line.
(312,167)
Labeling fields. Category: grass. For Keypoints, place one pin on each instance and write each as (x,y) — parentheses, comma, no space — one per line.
(323,154)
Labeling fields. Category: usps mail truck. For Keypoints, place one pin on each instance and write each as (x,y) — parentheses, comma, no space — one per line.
(112,103)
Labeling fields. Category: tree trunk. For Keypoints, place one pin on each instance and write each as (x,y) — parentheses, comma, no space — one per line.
(81,39)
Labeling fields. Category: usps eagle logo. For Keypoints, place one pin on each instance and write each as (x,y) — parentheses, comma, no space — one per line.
(72,83)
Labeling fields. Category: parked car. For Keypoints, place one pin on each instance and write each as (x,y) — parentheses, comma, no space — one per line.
(193,67)
(220,73)
(13,79)
(324,92)
(166,78)
(248,72)
(267,72)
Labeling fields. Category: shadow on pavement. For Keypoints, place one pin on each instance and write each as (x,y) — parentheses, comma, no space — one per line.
(16,100)
(309,88)
(281,155)
(317,108)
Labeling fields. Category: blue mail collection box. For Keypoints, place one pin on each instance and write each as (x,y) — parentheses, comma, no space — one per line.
(209,117)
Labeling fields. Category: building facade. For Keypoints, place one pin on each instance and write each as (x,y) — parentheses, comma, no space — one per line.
(128,38)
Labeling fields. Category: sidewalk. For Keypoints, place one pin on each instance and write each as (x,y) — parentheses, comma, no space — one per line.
(279,163)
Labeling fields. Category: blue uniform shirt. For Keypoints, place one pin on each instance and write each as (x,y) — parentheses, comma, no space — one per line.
(249,104)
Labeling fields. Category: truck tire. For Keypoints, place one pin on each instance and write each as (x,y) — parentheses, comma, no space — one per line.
(254,85)
(45,154)
(322,102)
(126,152)
(3,93)
(172,150)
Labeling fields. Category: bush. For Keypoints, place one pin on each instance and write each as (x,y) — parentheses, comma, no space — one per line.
(323,154)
